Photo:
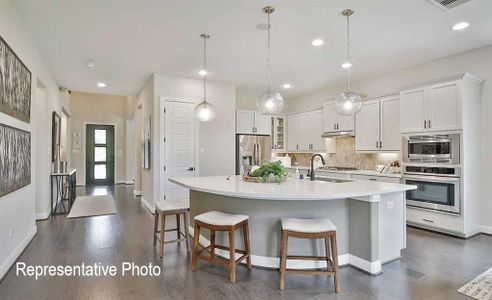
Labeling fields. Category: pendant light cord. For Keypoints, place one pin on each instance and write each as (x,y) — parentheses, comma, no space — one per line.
(269,71)
(349,77)
(205,67)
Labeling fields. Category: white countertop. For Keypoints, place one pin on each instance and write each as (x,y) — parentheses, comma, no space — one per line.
(292,189)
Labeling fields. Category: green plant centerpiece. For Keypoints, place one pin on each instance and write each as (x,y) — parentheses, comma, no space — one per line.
(270,172)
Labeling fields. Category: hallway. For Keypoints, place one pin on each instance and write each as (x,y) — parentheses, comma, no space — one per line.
(433,264)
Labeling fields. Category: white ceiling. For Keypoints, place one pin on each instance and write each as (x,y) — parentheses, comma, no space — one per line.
(130,39)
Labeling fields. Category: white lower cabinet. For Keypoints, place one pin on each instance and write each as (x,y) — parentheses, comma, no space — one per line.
(435,220)
(377,178)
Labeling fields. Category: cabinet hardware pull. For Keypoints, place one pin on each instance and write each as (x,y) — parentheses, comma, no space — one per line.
(429,123)
(380,144)
(338,126)
(425,124)
(377,145)
(334,126)
(427,220)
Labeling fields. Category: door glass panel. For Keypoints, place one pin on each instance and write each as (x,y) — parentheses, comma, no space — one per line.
(99,171)
(432,192)
(99,136)
(99,154)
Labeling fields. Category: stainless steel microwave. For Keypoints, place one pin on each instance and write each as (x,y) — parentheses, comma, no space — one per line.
(435,148)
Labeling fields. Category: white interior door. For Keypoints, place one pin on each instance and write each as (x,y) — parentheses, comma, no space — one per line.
(180,147)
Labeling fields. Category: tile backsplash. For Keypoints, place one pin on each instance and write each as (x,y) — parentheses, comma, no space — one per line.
(345,156)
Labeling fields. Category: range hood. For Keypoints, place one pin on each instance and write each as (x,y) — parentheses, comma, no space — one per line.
(335,134)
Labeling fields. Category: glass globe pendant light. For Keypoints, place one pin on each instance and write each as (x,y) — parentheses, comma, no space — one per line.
(348,103)
(269,102)
(205,111)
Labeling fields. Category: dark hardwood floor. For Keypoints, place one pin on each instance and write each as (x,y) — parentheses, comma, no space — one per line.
(433,266)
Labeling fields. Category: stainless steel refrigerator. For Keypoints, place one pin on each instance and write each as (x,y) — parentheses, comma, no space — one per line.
(252,150)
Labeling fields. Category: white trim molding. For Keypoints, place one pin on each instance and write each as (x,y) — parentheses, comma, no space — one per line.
(486,229)
(373,268)
(43,216)
(147,205)
(137,193)
(14,255)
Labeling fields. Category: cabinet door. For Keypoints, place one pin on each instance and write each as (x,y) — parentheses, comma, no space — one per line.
(245,121)
(390,124)
(330,117)
(367,121)
(412,110)
(293,123)
(263,123)
(444,106)
(305,131)
(346,123)
(319,143)
(278,133)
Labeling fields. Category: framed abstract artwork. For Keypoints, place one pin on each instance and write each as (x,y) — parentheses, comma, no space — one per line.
(15,84)
(15,159)
(55,136)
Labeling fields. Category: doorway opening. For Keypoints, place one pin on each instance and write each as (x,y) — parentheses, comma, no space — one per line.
(99,154)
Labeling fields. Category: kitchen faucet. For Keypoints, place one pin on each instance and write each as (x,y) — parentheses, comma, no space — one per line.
(312,164)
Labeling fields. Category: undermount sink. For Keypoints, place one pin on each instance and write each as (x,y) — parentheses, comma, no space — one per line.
(332,180)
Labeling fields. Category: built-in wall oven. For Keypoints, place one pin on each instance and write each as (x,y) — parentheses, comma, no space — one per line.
(431,148)
(438,187)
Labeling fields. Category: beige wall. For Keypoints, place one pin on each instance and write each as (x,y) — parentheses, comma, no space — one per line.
(477,62)
(99,109)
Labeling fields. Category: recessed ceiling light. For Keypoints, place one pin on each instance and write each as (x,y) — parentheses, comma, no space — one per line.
(90,64)
(317,42)
(347,65)
(101,84)
(460,26)
(202,72)
(286,86)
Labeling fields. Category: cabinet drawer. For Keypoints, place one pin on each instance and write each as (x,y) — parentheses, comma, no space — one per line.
(435,219)
(376,178)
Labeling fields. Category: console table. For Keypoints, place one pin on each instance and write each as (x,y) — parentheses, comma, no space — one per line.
(62,195)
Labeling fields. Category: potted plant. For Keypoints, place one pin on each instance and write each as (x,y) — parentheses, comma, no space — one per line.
(268,172)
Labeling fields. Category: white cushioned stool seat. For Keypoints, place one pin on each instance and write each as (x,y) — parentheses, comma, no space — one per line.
(220,218)
(172,205)
(308,225)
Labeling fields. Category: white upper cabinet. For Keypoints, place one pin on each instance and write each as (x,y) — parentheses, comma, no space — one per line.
(367,122)
(293,132)
(304,132)
(333,121)
(319,143)
(377,125)
(444,107)
(390,120)
(252,122)
(263,123)
(431,108)
(412,110)
(245,122)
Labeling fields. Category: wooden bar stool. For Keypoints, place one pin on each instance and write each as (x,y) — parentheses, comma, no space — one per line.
(310,229)
(171,207)
(219,221)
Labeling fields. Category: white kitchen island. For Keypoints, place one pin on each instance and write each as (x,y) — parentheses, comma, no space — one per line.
(370,216)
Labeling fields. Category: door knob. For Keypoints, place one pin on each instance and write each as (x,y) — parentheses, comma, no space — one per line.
(191,169)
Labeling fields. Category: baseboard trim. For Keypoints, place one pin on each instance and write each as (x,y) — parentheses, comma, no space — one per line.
(129,182)
(372,268)
(137,193)
(147,205)
(12,258)
(43,216)
(486,229)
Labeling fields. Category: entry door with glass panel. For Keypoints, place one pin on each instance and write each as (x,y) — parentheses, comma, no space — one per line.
(100,155)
